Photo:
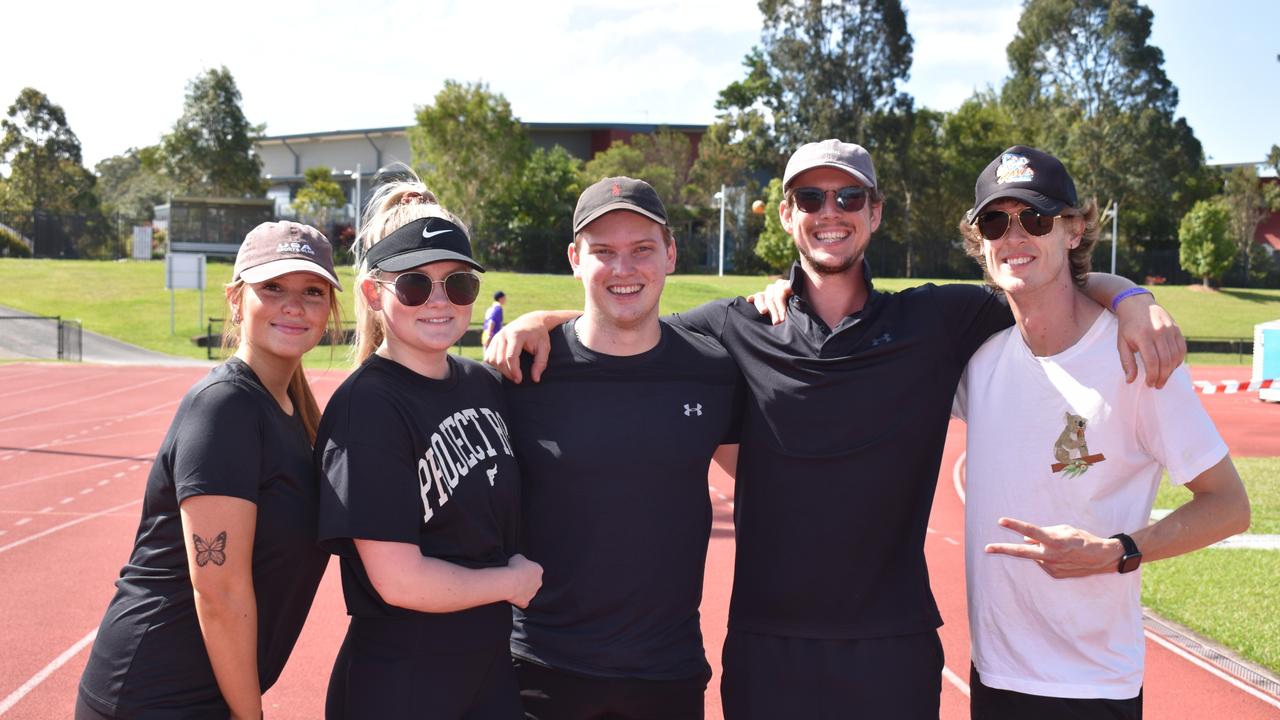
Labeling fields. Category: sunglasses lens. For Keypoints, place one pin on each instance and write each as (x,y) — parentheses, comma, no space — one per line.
(993,224)
(462,288)
(413,289)
(809,199)
(851,199)
(1035,223)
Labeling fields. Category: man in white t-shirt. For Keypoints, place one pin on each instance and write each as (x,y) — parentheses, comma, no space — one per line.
(1064,458)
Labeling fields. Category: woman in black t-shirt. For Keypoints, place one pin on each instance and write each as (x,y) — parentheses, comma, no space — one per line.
(225,565)
(421,491)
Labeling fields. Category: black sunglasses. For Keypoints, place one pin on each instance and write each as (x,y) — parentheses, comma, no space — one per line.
(414,288)
(848,199)
(993,224)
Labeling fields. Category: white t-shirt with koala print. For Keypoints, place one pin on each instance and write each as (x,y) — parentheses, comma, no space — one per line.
(1064,440)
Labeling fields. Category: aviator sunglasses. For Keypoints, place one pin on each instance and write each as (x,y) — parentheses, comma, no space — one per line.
(414,288)
(993,224)
(848,199)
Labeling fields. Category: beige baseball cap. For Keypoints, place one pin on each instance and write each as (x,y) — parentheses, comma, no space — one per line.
(276,248)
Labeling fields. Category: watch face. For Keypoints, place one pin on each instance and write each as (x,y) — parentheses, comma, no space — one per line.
(1129,563)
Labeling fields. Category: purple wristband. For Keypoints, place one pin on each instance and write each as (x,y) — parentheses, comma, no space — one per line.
(1115,301)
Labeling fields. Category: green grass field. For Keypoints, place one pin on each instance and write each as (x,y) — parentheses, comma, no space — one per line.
(127,300)
(1228,595)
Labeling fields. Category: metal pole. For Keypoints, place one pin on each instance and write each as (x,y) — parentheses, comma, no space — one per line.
(722,199)
(1115,239)
(357,201)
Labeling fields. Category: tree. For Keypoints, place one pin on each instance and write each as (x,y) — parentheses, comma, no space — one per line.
(318,195)
(545,198)
(1087,85)
(43,155)
(775,246)
(1205,249)
(663,159)
(134,182)
(210,149)
(471,150)
(1247,203)
(822,69)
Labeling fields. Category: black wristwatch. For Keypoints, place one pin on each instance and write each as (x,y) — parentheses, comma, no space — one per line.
(1132,557)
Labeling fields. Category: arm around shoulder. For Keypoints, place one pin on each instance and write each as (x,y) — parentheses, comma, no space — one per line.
(530,333)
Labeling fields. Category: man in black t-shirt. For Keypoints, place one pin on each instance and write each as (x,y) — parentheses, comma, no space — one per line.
(614,446)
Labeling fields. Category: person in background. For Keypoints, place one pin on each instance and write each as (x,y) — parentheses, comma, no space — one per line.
(493,318)
(225,565)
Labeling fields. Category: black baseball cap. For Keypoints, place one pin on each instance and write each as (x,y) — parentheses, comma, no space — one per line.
(618,193)
(422,241)
(1024,173)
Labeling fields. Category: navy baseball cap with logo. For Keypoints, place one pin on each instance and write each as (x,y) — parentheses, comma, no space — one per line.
(276,248)
(1028,175)
(425,240)
(618,193)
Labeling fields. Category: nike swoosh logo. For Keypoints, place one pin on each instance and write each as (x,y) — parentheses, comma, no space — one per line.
(426,235)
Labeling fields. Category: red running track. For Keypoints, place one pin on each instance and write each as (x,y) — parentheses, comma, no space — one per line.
(75,449)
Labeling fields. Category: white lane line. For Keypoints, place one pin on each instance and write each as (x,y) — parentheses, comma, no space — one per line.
(1273,702)
(35,388)
(86,491)
(950,540)
(84,400)
(2,532)
(118,475)
(34,681)
(954,679)
(103,482)
(44,510)
(930,530)
(957,476)
(69,523)
(22,522)
(72,471)
(66,500)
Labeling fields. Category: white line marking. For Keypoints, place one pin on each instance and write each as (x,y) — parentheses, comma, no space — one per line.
(44,510)
(134,467)
(119,475)
(931,530)
(956,480)
(86,491)
(65,525)
(80,401)
(2,532)
(34,388)
(1211,669)
(65,500)
(954,679)
(103,482)
(45,672)
(22,522)
(950,540)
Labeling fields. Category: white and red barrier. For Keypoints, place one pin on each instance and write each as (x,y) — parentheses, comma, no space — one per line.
(1228,387)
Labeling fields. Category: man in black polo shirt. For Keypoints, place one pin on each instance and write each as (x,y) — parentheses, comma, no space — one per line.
(614,446)
(832,614)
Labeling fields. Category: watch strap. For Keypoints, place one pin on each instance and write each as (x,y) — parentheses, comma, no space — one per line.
(1132,555)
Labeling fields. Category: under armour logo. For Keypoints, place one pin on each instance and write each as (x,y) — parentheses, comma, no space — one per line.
(492,473)
(881,340)
(694,410)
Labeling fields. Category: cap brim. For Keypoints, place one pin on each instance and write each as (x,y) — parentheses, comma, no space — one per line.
(1042,203)
(409,260)
(276,268)
(846,169)
(595,214)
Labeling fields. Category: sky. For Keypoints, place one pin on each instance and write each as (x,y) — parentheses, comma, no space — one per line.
(119,70)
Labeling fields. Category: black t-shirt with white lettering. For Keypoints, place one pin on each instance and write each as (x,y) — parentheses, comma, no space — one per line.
(841,445)
(615,452)
(405,458)
(229,437)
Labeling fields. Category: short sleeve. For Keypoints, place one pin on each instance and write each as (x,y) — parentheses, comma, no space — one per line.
(368,489)
(707,319)
(1175,429)
(218,447)
(971,314)
(960,403)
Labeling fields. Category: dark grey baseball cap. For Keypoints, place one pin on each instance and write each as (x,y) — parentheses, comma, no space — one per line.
(418,242)
(618,193)
(277,248)
(848,157)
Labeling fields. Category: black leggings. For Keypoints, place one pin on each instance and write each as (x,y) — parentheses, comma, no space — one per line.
(382,672)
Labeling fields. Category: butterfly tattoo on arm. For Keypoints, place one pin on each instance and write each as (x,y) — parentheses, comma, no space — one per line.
(207,552)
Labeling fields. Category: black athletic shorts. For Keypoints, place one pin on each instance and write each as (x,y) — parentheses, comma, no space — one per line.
(987,703)
(549,694)
(382,673)
(770,676)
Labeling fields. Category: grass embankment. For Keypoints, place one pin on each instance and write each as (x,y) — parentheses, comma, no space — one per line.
(127,300)
(1228,595)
